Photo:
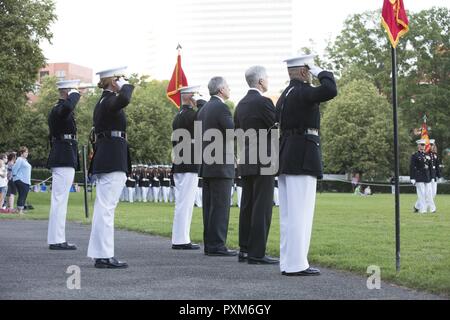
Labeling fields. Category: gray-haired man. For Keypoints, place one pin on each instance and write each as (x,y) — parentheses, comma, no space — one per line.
(217,169)
(254,113)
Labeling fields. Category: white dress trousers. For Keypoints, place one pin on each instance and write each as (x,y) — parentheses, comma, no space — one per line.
(276,200)
(62,182)
(185,188)
(425,200)
(109,187)
(144,193)
(433,187)
(297,203)
(198,197)
(239,195)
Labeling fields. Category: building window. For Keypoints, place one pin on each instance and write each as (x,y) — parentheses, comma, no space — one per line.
(43,74)
(60,74)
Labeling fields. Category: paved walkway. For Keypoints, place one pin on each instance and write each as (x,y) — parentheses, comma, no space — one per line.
(30,271)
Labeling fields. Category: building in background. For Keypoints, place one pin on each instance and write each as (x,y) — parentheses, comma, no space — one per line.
(62,71)
(225,38)
(67,71)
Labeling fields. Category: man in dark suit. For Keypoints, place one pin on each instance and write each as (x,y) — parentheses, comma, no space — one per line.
(63,161)
(217,167)
(300,160)
(255,112)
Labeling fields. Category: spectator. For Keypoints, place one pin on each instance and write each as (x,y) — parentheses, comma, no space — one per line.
(3,179)
(355,181)
(21,172)
(12,190)
(367,191)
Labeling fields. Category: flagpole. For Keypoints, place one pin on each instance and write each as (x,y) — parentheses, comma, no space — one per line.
(396,159)
(179,73)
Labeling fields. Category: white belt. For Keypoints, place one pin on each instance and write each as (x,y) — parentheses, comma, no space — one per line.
(313,132)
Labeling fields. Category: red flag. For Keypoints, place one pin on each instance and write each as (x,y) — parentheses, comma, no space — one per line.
(177,81)
(425,137)
(394,20)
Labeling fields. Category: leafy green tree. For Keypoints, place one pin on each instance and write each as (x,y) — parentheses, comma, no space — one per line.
(23,25)
(357,132)
(150,115)
(362,50)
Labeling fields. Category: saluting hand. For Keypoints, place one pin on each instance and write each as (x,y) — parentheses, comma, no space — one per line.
(120,82)
(73,91)
(315,70)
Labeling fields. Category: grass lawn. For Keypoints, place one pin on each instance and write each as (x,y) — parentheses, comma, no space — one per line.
(350,233)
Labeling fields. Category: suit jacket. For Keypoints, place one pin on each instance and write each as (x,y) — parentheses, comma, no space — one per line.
(256,112)
(419,167)
(216,115)
(185,120)
(298,110)
(63,153)
(111,153)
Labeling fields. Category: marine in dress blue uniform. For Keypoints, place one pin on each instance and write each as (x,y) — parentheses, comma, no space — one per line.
(300,160)
(110,164)
(63,160)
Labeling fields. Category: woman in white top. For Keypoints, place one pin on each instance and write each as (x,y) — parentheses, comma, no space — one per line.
(3,179)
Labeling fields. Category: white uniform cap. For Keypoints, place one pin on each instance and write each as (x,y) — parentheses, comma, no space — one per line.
(190,89)
(421,141)
(68,84)
(300,61)
(432,141)
(112,72)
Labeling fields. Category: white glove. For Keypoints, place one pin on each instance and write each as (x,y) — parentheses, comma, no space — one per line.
(413,181)
(121,82)
(315,70)
(73,91)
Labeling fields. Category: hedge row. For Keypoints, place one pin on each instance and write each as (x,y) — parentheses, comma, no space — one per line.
(322,186)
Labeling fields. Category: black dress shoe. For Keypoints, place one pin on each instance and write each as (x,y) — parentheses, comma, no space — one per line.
(415,210)
(242,257)
(187,246)
(263,260)
(224,252)
(111,263)
(62,246)
(304,273)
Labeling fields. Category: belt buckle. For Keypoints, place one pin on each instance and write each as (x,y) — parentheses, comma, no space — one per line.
(313,132)
(69,137)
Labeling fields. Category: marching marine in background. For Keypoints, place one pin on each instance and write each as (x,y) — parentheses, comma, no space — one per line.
(110,164)
(185,174)
(298,114)
(63,161)
(420,175)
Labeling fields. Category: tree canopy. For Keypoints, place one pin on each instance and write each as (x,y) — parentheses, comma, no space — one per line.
(24,24)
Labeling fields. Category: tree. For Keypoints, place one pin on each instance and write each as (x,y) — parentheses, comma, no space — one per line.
(357,132)
(23,25)
(150,116)
(423,64)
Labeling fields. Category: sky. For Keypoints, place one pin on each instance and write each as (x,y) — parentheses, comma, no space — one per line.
(103,34)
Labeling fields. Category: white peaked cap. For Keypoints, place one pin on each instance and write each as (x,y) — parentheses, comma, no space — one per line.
(190,89)
(68,84)
(421,141)
(112,72)
(301,61)
(432,141)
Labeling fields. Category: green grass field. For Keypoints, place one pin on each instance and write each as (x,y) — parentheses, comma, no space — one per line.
(350,233)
